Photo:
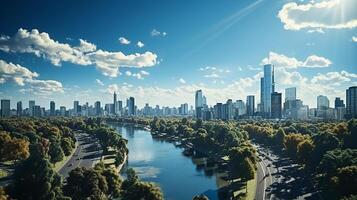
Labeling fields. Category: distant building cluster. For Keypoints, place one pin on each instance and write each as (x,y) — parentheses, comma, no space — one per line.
(271,106)
(117,108)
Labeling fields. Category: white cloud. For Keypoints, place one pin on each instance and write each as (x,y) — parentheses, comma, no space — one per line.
(15,72)
(24,77)
(86,53)
(156,33)
(213,75)
(140,75)
(123,40)
(280,60)
(354,39)
(182,81)
(144,72)
(99,82)
(109,62)
(316,16)
(140,44)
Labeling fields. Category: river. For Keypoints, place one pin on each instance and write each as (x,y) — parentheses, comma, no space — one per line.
(163,163)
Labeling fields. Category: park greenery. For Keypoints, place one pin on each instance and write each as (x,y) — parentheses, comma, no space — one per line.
(34,145)
(326,150)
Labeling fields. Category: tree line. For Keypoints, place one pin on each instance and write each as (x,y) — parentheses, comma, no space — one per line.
(33,146)
(327,150)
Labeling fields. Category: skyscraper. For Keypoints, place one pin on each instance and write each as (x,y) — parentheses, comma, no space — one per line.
(275,105)
(115,102)
(351,102)
(290,94)
(62,111)
(250,105)
(31,107)
(199,103)
(322,102)
(339,103)
(19,108)
(97,108)
(76,107)
(52,108)
(131,106)
(267,87)
(5,108)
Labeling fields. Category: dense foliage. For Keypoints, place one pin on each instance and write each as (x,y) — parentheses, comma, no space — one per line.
(325,149)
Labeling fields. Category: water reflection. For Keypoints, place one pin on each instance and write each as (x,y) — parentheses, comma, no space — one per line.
(180,177)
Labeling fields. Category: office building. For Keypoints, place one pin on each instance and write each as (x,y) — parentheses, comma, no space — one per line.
(290,94)
(5,108)
(97,108)
(76,110)
(351,102)
(322,102)
(240,108)
(62,111)
(250,105)
(275,105)
(31,109)
(37,111)
(339,103)
(52,108)
(267,88)
(131,106)
(19,111)
(115,103)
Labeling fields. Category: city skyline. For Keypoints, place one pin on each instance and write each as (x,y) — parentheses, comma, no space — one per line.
(222,53)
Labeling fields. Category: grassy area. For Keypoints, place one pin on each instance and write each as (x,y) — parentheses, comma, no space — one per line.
(247,194)
(3,173)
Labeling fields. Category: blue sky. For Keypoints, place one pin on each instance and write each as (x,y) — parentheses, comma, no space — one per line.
(80,50)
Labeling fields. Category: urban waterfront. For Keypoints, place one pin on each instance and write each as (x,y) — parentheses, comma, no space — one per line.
(163,163)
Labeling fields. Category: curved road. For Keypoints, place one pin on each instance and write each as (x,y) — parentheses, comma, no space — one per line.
(87,154)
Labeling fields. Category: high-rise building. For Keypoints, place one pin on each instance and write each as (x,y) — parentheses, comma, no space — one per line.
(290,94)
(199,102)
(275,105)
(115,102)
(52,108)
(250,105)
(120,107)
(240,108)
(339,103)
(351,102)
(31,109)
(322,102)
(5,108)
(267,84)
(97,108)
(19,108)
(131,106)
(229,110)
(37,111)
(76,108)
(62,111)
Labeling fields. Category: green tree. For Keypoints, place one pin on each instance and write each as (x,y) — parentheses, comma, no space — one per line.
(85,184)
(35,179)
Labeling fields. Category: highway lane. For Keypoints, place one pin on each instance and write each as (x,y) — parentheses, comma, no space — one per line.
(86,155)
(279,177)
(265,178)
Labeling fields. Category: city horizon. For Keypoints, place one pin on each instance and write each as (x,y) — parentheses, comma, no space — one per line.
(222,53)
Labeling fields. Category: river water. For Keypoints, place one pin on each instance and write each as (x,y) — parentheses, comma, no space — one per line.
(163,163)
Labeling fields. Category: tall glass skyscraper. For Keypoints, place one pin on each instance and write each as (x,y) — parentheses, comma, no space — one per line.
(267,88)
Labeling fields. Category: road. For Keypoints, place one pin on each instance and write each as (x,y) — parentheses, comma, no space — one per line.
(279,177)
(266,173)
(86,155)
